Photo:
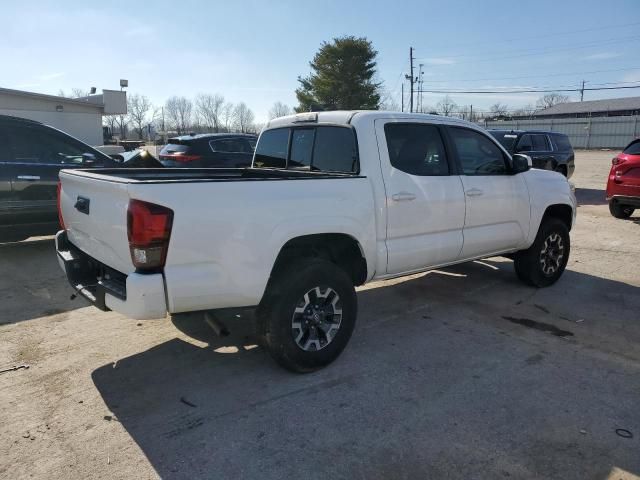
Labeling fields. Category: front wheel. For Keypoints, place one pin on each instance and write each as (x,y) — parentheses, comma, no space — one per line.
(543,263)
(620,211)
(308,314)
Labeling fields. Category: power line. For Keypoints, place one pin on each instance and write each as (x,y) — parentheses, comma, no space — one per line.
(537,76)
(530,90)
(541,52)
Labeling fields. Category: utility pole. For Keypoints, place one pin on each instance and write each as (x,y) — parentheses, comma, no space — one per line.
(420,80)
(411,78)
(582,91)
(402,104)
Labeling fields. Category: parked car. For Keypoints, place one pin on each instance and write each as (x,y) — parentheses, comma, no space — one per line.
(623,185)
(209,150)
(548,150)
(31,155)
(334,200)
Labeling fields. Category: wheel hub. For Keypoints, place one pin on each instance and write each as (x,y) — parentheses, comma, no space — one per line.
(552,254)
(316,318)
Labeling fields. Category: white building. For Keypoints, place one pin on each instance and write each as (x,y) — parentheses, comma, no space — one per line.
(79,117)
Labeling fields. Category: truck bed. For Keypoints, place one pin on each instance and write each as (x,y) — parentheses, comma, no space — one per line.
(189,175)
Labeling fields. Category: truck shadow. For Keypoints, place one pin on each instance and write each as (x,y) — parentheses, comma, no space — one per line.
(32,285)
(226,410)
(590,196)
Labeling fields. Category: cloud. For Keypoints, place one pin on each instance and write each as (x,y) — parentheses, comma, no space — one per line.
(603,56)
(438,61)
(51,76)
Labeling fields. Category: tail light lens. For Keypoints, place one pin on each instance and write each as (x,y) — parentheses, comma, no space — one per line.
(617,161)
(148,230)
(181,157)
(58,200)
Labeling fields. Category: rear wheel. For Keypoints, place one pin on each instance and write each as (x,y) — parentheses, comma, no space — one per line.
(543,263)
(308,314)
(620,211)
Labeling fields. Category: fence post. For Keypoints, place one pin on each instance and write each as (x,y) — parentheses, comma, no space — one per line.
(635,127)
(551,127)
(588,133)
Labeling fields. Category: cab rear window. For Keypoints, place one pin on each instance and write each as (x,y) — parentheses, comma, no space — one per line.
(315,148)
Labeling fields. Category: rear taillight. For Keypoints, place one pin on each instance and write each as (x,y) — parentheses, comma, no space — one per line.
(148,230)
(58,201)
(617,161)
(181,157)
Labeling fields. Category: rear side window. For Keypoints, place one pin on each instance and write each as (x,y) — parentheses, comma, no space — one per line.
(416,149)
(563,143)
(272,148)
(322,148)
(335,150)
(633,148)
(231,145)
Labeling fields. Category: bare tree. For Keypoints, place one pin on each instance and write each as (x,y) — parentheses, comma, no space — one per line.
(499,109)
(243,117)
(209,110)
(551,99)
(388,102)
(279,109)
(227,116)
(75,93)
(178,112)
(138,108)
(446,106)
(525,111)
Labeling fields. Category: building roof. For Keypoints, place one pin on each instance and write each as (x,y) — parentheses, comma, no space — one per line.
(608,105)
(51,98)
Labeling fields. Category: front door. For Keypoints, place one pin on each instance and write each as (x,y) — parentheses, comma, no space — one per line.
(497,202)
(425,199)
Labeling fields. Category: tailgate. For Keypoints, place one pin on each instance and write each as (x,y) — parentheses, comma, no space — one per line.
(94,211)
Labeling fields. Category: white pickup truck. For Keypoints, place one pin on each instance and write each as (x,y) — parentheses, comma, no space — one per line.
(333,200)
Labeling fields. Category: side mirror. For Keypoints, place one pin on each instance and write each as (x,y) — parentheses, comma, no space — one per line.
(520,163)
(88,159)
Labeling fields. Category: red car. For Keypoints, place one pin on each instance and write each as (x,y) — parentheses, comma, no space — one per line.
(623,186)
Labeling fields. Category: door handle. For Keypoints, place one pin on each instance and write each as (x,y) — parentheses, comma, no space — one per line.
(403,197)
(29,177)
(474,192)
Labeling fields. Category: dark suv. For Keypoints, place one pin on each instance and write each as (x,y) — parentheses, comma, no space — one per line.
(548,150)
(31,155)
(209,150)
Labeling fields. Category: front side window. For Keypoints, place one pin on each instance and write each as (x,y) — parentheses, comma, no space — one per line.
(478,155)
(416,149)
(272,148)
(525,144)
(540,143)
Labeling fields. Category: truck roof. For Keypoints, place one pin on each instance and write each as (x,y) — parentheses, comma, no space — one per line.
(347,116)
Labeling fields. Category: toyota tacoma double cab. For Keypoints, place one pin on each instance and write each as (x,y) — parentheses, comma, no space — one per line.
(333,200)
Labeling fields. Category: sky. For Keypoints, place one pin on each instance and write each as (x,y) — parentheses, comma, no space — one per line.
(254,51)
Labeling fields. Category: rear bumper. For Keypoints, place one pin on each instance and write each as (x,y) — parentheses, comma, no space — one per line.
(139,296)
(625,200)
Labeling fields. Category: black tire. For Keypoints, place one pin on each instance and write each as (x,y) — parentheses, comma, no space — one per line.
(620,211)
(543,263)
(313,345)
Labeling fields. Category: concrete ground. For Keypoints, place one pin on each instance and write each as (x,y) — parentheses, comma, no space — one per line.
(461,373)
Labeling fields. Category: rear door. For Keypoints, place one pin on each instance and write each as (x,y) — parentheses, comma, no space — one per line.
(425,199)
(497,203)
